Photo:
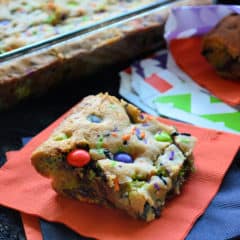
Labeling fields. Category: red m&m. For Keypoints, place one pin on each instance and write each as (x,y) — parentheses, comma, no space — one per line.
(78,158)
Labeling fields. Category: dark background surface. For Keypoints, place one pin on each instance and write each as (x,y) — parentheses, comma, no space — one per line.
(29,118)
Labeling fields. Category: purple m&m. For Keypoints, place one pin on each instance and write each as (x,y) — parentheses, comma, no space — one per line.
(123,157)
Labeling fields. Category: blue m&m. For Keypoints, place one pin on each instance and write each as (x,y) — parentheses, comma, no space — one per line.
(123,157)
(94,118)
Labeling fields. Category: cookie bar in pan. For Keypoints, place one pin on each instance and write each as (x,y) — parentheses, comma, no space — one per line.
(34,73)
(23,22)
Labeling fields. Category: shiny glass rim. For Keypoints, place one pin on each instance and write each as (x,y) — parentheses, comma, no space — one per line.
(98,26)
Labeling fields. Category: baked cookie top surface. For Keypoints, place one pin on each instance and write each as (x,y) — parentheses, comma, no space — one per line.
(106,127)
(137,155)
(23,22)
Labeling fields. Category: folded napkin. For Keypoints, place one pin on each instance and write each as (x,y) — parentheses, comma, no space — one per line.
(164,89)
(29,192)
(36,229)
(183,39)
(31,227)
(187,54)
(214,224)
(224,208)
(221,219)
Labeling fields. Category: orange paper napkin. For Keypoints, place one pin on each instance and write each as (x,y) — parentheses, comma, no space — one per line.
(187,54)
(31,227)
(23,189)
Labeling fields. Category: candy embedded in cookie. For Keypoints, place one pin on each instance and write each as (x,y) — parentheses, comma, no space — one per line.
(108,152)
(78,158)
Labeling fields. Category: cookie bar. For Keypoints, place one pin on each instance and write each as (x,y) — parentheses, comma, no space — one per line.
(107,152)
(221,47)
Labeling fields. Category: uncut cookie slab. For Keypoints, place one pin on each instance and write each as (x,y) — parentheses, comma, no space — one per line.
(107,152)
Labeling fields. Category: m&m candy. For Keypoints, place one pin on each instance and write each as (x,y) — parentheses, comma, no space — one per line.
(162,137)
(78,158)
(123,157)
(94,118)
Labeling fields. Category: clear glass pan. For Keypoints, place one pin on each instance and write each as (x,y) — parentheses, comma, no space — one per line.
(83,30)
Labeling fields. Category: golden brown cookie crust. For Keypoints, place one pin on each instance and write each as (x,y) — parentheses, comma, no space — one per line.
(136,161)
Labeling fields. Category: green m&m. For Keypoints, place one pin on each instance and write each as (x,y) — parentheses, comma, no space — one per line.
(162,137)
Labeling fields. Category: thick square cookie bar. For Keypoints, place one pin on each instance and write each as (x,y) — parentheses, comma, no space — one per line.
(108,152)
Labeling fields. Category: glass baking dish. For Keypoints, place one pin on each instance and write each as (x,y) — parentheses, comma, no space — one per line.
(33,69)
(52,33)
